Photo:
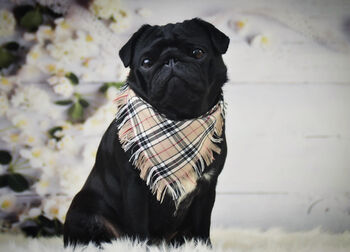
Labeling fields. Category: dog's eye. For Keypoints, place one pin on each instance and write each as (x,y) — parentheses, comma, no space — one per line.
(147,63)
(197,53)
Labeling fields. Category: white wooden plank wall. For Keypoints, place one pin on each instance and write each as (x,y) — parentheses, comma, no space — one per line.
(288,118)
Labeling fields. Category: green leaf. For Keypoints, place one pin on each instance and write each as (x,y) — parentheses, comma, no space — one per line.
(52,131)
(118,85)
(83,103)
(31,20)
(3,180)
(20,10)
(44,221)
(107,85)
(48,227)
(63,102)
(30,227)
(73,78)
(103,88)
(17,182)
(6,58)
(5,157)
(11,46)
(112,19)
(76,112)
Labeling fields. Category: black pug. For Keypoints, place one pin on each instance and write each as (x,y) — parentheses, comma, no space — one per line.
(179,70)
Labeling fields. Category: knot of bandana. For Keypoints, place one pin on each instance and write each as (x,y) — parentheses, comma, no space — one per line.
(171,155)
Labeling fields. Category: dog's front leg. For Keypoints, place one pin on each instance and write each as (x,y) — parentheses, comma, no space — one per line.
(201,214)
(136,208)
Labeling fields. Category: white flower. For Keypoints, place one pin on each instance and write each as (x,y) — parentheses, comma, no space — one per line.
(7,23)
(21,120)
(260,41)
(45,123)
(52,143)
(65,89)
(44,33)
(105,8)
(73,49)
(66,125)
(72,178)
(28,36)
(6,84)
(40,157)
(53,80)
(34,156)
(31,138)
(11,138)
(111,10)
(121,23)
(35,53)
(59,133)
(239,26)
(62,86)
(68,144)
(56,207)
(62,31)
(48,184)
(7,202)
(100,120)
(31,97)
(94,68)
(4,104)
(32,213)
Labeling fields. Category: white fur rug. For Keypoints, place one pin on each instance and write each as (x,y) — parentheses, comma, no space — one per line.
(236,240)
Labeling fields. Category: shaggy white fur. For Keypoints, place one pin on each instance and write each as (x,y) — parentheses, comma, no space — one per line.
(236,240)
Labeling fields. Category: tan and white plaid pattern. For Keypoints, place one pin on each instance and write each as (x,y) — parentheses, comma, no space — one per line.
(171,155)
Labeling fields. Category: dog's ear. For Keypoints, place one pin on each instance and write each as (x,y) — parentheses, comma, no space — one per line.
(218,38)
(126,53)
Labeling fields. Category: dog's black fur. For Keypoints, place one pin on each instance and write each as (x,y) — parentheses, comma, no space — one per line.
(178,68)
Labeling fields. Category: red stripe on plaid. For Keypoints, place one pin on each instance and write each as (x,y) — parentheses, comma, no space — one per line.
(175,143)
(127,130)
(119,97)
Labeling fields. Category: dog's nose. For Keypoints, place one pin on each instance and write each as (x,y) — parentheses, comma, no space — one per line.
(170,62)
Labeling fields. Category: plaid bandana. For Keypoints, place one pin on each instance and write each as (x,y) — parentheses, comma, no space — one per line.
(171,155)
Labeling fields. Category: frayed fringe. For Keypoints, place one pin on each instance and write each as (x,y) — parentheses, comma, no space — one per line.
(127,135)
(186,177)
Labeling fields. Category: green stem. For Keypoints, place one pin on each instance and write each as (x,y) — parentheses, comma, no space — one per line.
(31,177)
(89,94)
(15,162)
(11,169)
(23,162)
(77,95)
(15,165)
(12,166)
(22,168)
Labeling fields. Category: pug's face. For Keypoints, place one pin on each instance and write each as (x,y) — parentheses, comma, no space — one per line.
(177,68)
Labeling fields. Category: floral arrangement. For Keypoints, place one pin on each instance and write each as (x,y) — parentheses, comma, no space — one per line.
(112,12)
(53,110)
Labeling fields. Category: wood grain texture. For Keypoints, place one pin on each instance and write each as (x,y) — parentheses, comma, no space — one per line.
(288,211)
